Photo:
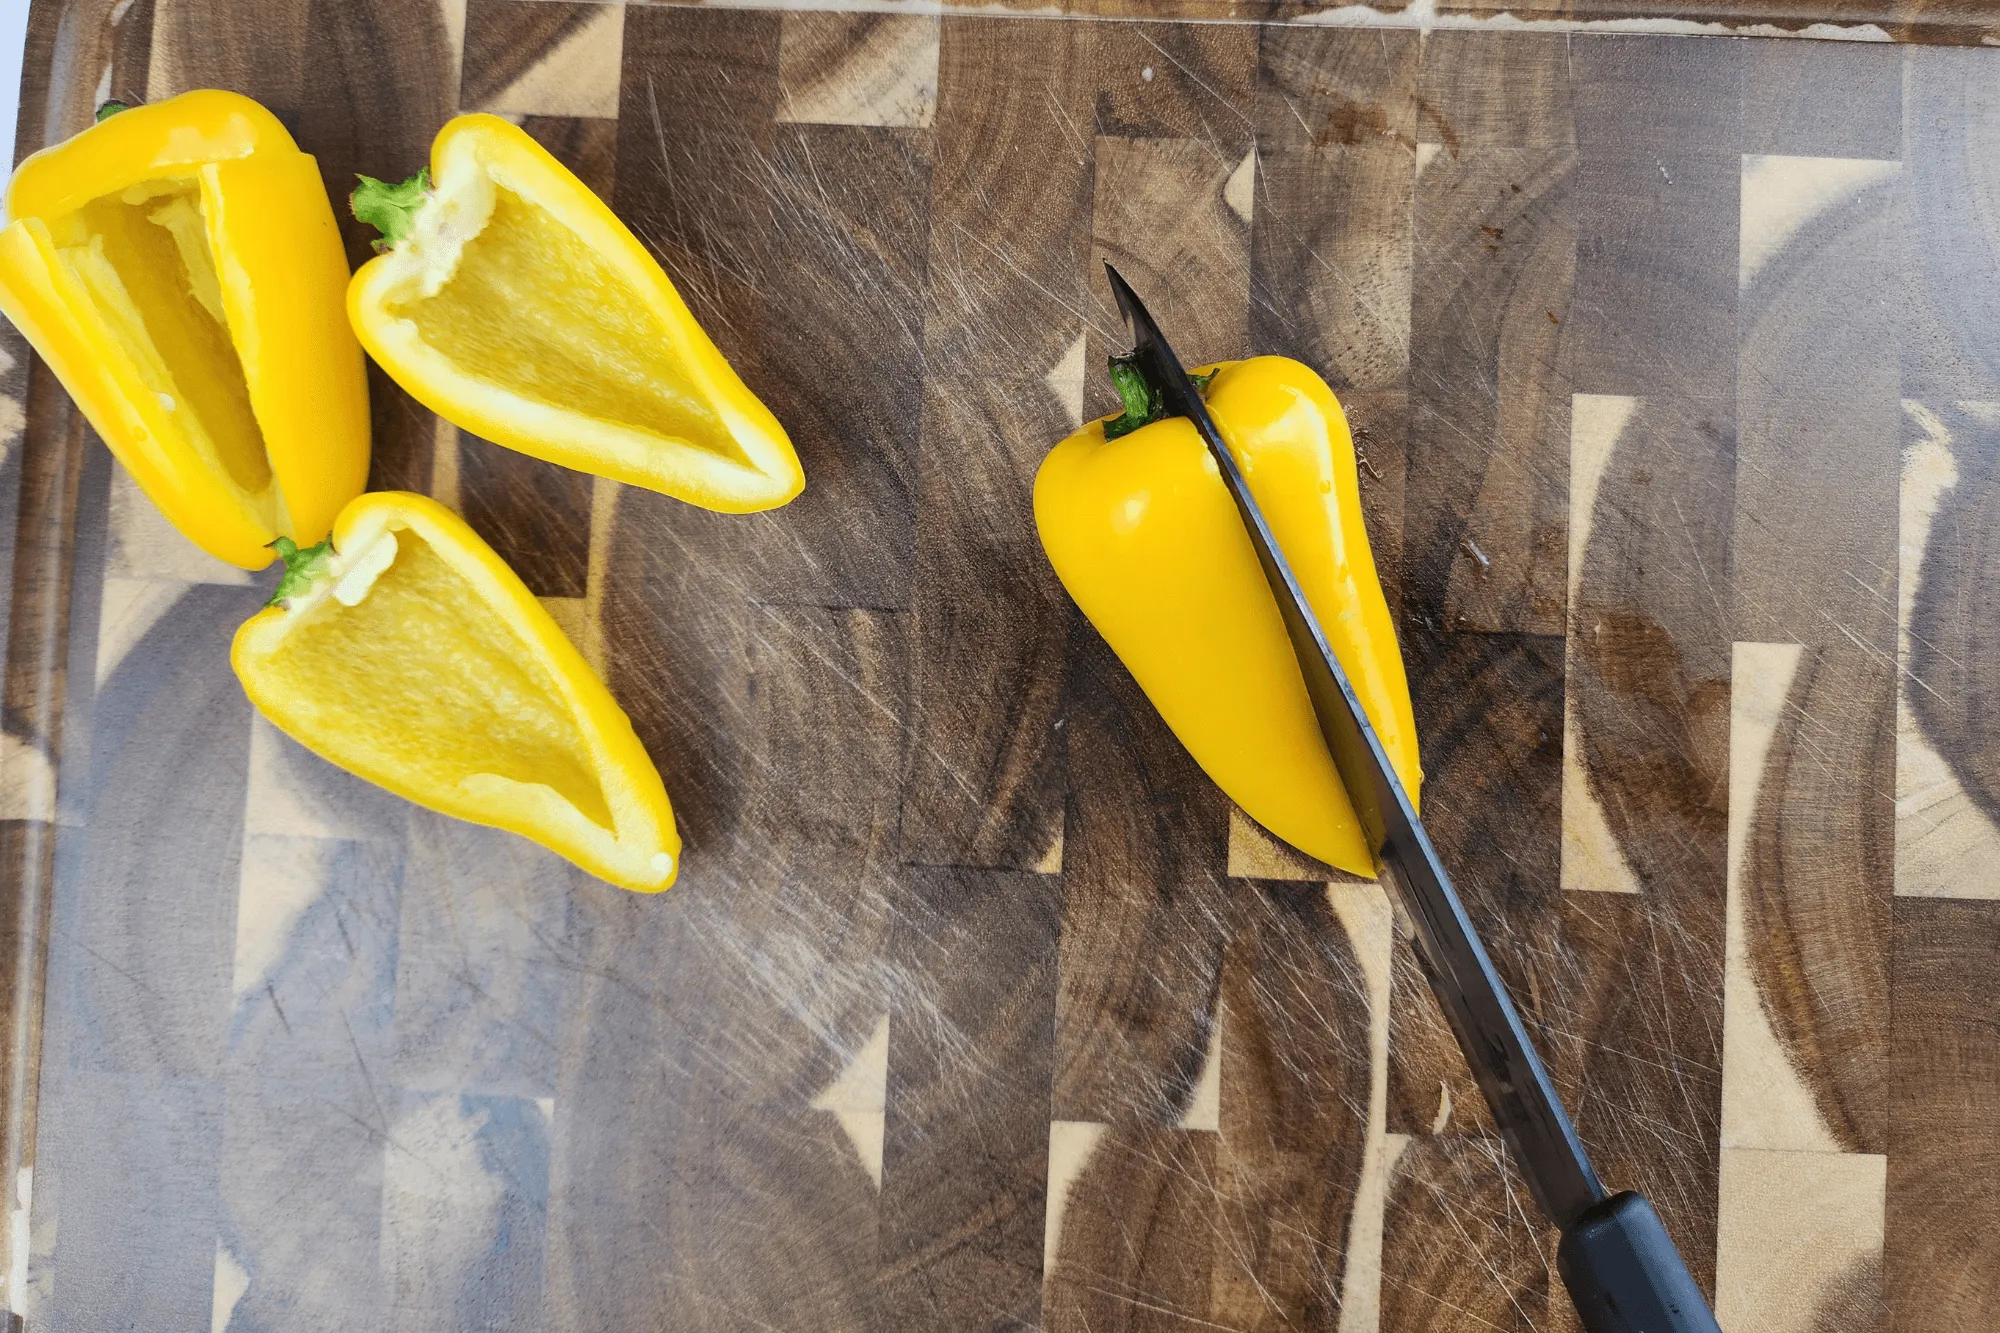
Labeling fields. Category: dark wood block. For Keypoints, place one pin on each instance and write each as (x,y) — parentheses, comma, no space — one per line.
(828,689)
(1431,1088)
(1495,90)
(1336,87)
(965,1154)
(373,94)
(170,734)
(1293,1110)
(273,1196)
(1949,276)
(1818,406)
(484,962)
(687,194)
(1458,1240)
(139,1156)
(1139,1226)
(843,342)
(1010,207)
(1492,755)
(677,630)
(403,436)
(985,780)
(1942,1223)
(256,50)
(536,515)
(1654,307)
(1330,264)
(587,145)
(1636,95)
(1817,886)
(1485,519)
(310,1052)
(1644,1051)
(1823,99)
(1171,216)
(1176,81)
(1145,907)
(1295,1030)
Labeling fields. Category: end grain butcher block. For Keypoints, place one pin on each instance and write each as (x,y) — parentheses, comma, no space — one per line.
(1674,361)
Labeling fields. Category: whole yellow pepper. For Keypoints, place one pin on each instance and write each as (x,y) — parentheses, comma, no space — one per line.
(1143,534)
(179,268)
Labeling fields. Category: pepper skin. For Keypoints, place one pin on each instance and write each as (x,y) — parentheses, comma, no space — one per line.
(407,652)
(510,301)
(178,267)
(1143,534)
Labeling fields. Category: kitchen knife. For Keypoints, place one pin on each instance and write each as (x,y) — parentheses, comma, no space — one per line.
(1621,1268)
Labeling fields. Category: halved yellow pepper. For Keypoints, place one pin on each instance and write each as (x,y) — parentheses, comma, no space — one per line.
(511,301)
(1144,536)
(179,268)
(405,651)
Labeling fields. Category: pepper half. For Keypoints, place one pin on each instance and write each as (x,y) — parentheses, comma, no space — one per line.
(1143,534)
(510,301)
(179,268)
(405,651)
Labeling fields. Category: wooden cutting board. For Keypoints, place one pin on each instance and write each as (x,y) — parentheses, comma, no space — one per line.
(1674,361)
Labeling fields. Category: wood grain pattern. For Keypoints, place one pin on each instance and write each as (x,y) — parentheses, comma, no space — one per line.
(1944,1156)
(1139,1226)
(965,1165)
(1492,765)
(1946,829)
(1806,991)
(1811,879)
(542,59)
(1328,88)
(1951,118)
(1294,1111)
(1146,911)
(535,514)
(1451,1197)
(1495,257)
(1330,261)
(1817,404)
(1647,704)
(978,1006)
(1176,81)
(858,69)
(1495,90)
(985,780)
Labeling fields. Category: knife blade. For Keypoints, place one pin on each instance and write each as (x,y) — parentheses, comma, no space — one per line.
(1616,1258)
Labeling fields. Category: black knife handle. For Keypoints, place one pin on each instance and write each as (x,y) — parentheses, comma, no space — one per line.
(1625,1275)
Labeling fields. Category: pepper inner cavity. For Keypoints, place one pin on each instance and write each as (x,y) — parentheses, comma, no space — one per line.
(143,256)
(428,672)
(533,308)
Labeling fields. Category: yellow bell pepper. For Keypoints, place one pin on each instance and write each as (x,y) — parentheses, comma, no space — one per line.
(179,268)
(404,650)
(508,299)
(1144,536)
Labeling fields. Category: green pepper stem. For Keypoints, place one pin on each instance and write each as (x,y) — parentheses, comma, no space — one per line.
(302,566)
(1143,402)
(390,209)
